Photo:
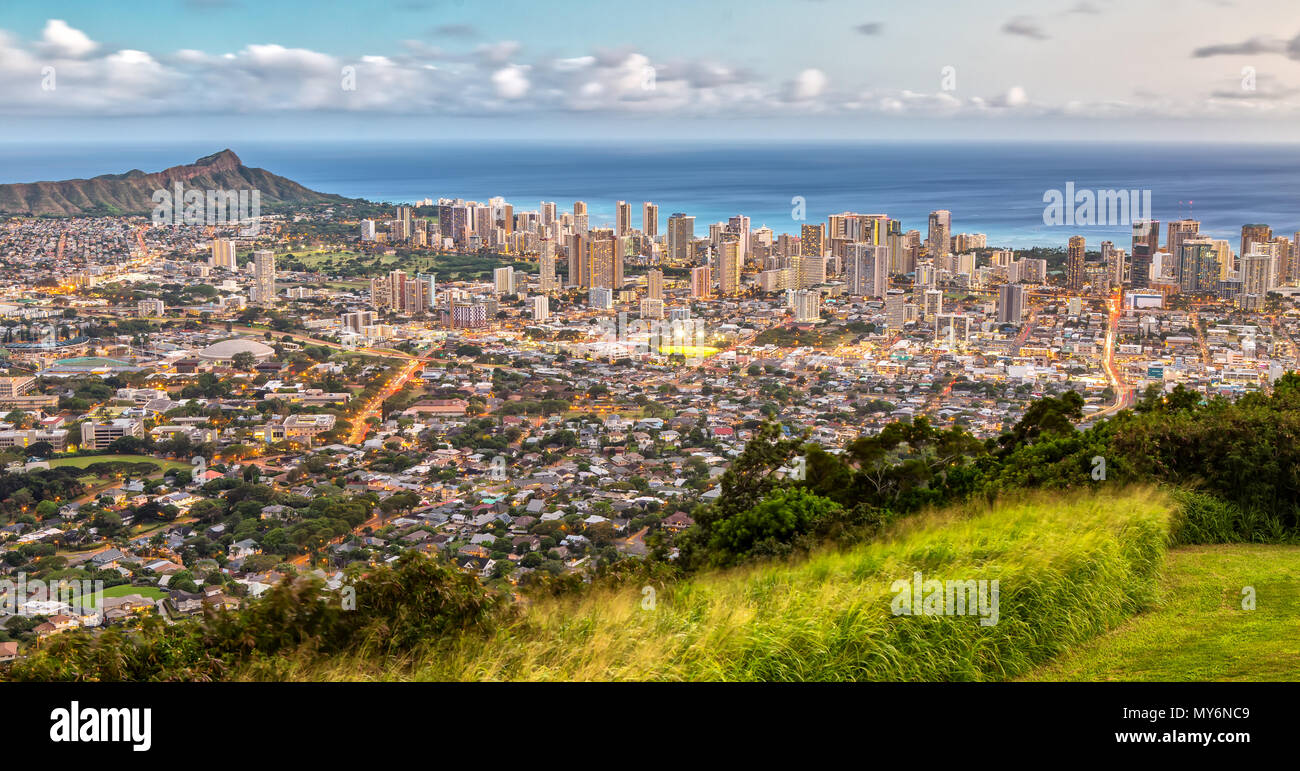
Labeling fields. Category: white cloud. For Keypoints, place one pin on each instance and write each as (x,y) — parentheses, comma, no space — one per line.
(511,82)
(1015,97)
(496,78)
(62,40)
(808,85)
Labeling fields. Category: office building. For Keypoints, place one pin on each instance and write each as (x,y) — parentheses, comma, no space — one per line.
(1074,264)
(939,241)
(1011,303)
(650,220)
(264,277)
(655,284)
(701,282)
(867,270)
(681,238)
(223,254)
(541,307)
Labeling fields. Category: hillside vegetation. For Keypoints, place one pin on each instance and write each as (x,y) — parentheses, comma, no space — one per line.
(1199,628)
(132,192)
(1067,570)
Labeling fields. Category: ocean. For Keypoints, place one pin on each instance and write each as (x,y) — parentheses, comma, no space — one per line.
(992,188)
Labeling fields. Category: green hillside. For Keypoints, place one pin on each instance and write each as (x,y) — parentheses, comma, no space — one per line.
(1199,629)
(131,193)
(1067,570)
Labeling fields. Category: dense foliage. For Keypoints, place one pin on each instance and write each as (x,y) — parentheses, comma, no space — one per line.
(394,609)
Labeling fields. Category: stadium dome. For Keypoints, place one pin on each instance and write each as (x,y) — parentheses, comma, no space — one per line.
(228,349)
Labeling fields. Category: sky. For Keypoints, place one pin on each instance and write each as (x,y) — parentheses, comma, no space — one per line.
(781,70)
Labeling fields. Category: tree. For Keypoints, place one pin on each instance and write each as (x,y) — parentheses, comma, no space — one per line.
(774,527)
(40,449)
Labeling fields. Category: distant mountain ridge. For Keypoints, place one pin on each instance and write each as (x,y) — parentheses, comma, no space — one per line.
(131,193)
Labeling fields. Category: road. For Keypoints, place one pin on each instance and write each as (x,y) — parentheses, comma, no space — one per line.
(1123,392)
(359,426)
(1024,332)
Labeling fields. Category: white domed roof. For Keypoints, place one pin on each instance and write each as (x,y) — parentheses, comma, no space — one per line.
(227,349)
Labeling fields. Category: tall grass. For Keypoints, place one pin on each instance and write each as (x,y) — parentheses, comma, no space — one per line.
(1068,568)
(1203,519)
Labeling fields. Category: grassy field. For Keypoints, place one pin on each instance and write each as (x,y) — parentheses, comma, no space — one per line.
(448,266)
(1069,569)
(1199,629)
(147,592)
(83,461)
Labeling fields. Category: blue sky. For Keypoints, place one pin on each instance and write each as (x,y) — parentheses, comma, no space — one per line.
(763,69)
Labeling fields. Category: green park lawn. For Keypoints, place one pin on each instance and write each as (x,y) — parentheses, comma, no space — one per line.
(1199,630)
(82,461)
(147,592)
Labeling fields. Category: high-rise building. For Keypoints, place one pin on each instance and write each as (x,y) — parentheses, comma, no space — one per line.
(380,296)
(681,237)
(357,320)
(541,307)
(622,218)
(600,297)
(729,262)
(655,284)
(1177,231)
(503,216)
(1074,264)
(1198,266)
(867,270)
(1254,234)
(1223,253)
(415,297)
(1114,260)
(468,315)
(1146,242)
(701,282)
(604,259)
(738,228)
(579,274)
(1256,278)
(1284,272)
(580,224)
(652,308)
(812,240)
(650,220)
(1032,271)
(546,264)
(264,277)
(397,280)
(223,254)
(807,305)
(809,271)
(895,310)
(1011,303)
(504,280)
(777,280)
(939,241)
